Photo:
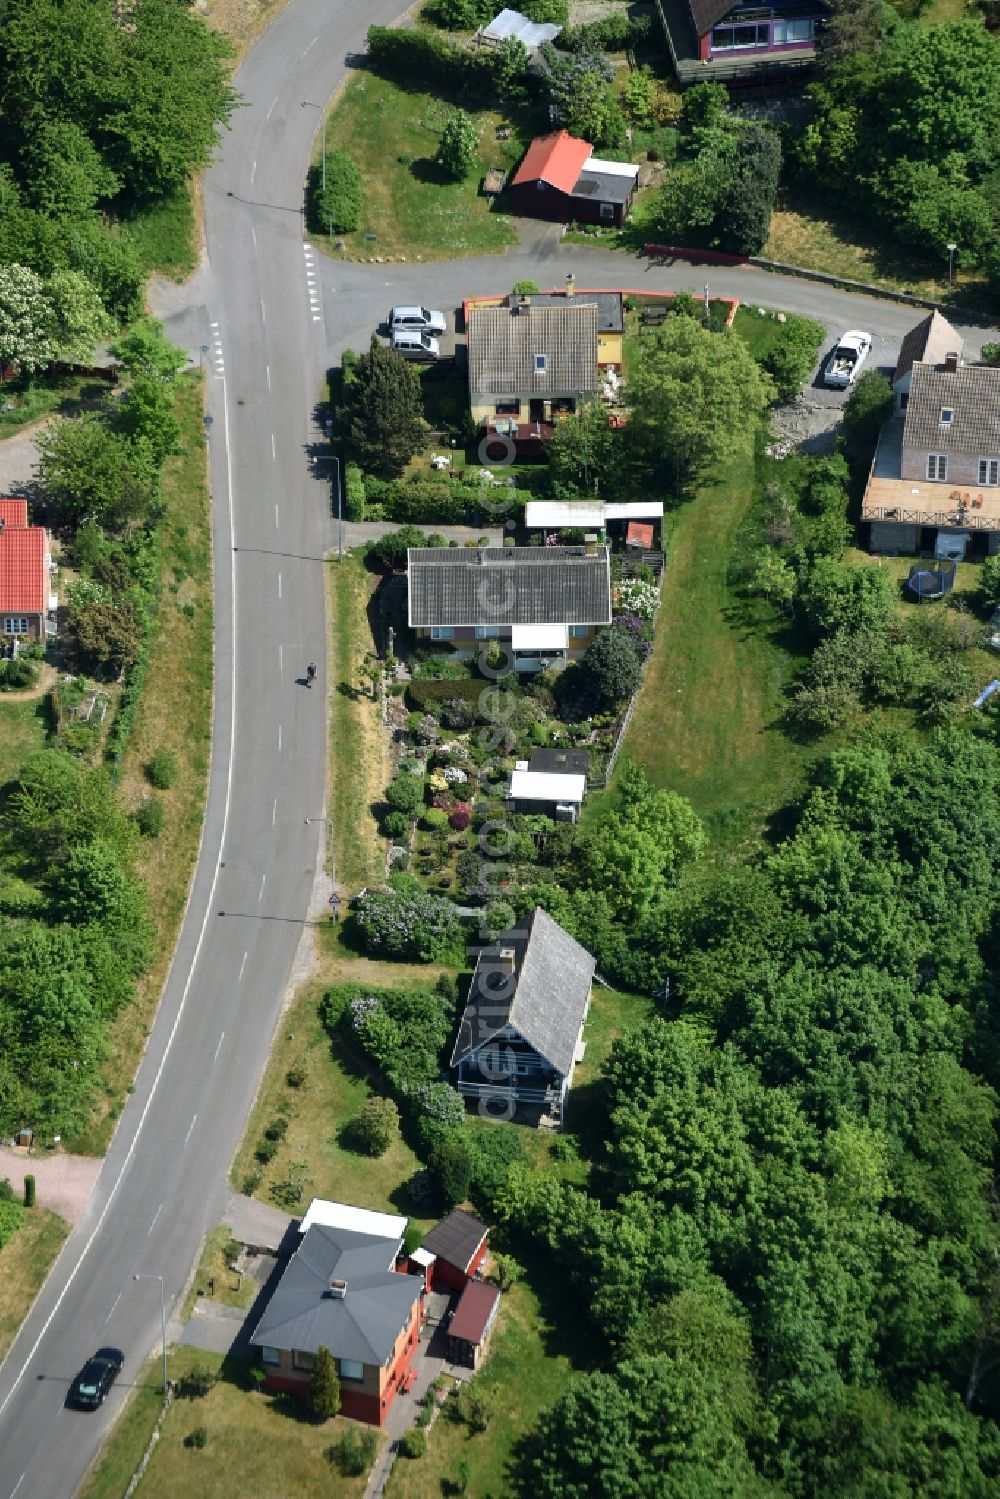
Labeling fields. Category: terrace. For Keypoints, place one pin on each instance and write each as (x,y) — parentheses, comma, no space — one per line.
(920,503)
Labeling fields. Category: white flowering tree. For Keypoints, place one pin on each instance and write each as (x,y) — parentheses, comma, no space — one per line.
(27,322)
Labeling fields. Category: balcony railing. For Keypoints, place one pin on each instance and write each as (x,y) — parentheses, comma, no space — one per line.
(957,520)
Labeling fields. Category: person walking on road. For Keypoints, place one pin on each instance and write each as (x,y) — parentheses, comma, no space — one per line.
(310,673)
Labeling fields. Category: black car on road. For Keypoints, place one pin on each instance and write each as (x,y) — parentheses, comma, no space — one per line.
(95,1379)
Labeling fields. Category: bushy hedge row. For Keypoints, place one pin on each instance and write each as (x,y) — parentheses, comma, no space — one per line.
(419,695)
(443,67)
(621,33)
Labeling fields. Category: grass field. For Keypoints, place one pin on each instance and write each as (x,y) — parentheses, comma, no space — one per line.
(708,721)
(23,728)
(213,1277)
(165,233)
(175,712)
(25,1261)
(392,133)
(359,757)
(255,1444)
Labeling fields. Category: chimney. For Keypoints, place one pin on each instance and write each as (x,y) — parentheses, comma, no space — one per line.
(590,542)
(951,363)
(570,284)
(337,1290)
(506,961)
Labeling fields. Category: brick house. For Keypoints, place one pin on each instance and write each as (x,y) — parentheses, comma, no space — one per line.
(25,574)
(341,1290)
(544,604)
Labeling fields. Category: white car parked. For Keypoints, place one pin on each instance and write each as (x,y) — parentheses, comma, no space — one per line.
(416,320)
(847,358)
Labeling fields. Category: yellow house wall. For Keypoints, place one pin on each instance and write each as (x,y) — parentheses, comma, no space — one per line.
(609,348)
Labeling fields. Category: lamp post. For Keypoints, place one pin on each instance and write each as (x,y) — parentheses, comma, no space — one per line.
(163,1321)
(951,263)
(706,304)
(201,357)
(340,510)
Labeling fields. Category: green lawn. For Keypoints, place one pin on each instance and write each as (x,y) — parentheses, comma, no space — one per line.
(25,1261)
(255,1444)
(708,720)
(393,133)
(165,235)
(23,729)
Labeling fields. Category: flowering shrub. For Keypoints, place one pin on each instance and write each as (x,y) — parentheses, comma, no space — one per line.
(437,780)
(435,1100)
(407,923)
(426,730)
(404,1032)
(637,631)
(454,775)
(635,597)
(460,819)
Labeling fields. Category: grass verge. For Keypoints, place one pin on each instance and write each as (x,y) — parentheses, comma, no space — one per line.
(392,133)
(175,713)
(23,729)
(359,757)
(254,1444)
(164,233)
(214,1279)
(25,1261)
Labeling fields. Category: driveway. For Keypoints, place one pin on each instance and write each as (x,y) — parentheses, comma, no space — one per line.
(63,1183)
(18,456)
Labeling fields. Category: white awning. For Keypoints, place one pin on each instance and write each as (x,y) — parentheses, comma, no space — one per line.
(539,637)
(357,1220)
(423,1257)
(559,513)
(610,168)
(544,786)
(511,23)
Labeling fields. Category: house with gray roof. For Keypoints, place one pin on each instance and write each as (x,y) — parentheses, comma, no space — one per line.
(933,341)
(934,485)
(520,1036)
(543,604)
(341,1291)
(529,364)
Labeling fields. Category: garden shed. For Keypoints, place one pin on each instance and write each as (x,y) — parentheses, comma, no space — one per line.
(470,1327)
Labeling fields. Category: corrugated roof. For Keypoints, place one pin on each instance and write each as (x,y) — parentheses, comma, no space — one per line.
(511,23)
(706,13)
(606,186)
(507,343)
(24,573)
(359,1220)
(508,586)
(588,512)
(547,786)
(928,343)
(571,761)
(971,393)
(609,304)
(456,1238)
(545,999)
(639,534)
(13,512)
(556,159)
(475,1312)
(363,1325)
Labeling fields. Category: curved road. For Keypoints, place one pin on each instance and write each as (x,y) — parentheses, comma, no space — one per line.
(272,317)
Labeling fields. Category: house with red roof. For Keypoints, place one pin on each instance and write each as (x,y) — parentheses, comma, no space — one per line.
(25,574)
(561,179)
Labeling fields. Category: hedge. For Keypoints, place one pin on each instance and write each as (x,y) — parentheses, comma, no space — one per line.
(354,493)
(468,690)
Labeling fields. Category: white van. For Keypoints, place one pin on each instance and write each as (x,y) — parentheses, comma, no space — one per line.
(414,345)
(417,319)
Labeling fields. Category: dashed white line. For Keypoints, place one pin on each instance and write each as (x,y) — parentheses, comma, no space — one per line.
(274,811)
(271,110)
(263,314)
(281,659)
(253,235)
(243,965)
(253,173)
(311,45)
(279,739)
(218,1048)
(149,1230)
(213,325)
(112,1311)
(18,1484)
(190,1128)
(276,525)
(263,882)
(317,318)
(274,453)
(279,585)
(267,371)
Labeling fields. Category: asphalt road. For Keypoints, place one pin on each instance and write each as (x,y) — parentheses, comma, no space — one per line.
(272,317)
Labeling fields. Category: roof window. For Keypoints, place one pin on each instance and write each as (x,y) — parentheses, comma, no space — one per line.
(946,415)
(541,363)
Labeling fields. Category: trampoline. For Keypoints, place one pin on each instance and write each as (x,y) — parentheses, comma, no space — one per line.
(932,581)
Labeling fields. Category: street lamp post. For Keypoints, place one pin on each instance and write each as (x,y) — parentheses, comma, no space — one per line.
(951,263)
(340,509)
(163,1321)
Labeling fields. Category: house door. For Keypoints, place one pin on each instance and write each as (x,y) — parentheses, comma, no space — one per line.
(537,410)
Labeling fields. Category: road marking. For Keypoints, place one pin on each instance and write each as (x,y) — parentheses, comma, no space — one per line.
(271,110)
(253,235)
(276,518)
(267,371)
(213,325)
(218,1048)
(263,882)
(279,585)
(279,739)
(274,453)
(253,173)
(112,1311)
(281,659)
(274,811)
(311,45)
(149,1230)
(209,909)
(263,314)
(18,1484)
(242,966)
(190,1128)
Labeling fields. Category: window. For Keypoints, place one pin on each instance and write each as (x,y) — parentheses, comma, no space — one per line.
(301,1360)
(15,624)
(728,38)
(350,1370)
(937,467)
(508,406)
(904,400)
(541,363)
(270,1355)
(487,632)
(442,632)
(946,416)
(607,210)
(793,31)
(989,470)
(579,632)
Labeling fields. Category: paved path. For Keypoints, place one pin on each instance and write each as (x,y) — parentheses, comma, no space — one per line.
(18,456)
(63,1183)
(256,1223)
(213,1326)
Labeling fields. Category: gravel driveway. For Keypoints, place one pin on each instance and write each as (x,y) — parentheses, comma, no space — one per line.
(18,456)
(62,1182)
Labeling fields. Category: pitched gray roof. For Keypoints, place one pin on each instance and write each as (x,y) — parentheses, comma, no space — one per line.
(503,343)
(928,343)
(508,586)
(971,393)
(362,1326)
(545,998)
(456,1238)
(609,304)
(605,185)
(573,762)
